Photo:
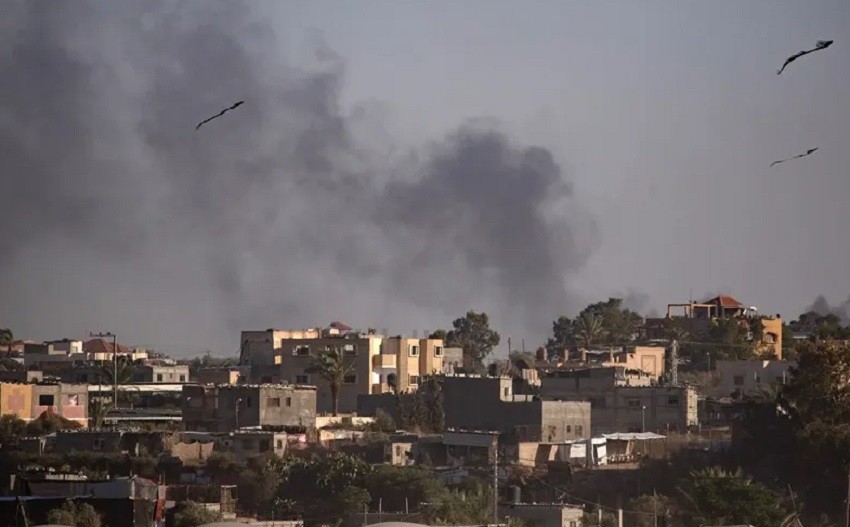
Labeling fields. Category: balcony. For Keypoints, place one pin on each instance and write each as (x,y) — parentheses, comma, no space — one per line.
(384,361)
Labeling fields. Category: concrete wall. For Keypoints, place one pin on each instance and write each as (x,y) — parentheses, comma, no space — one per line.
(589,382)
(216,376)
(70,401)
(749,375)
(654,409)
(488,403)
(543,514)
(297,356)
(16,399)
(166,374)
(214,408)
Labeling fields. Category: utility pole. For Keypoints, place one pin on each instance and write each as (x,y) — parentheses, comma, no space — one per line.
(655,506)
(496,479)
(847,501)
(238,402)
(114,363)
(674,362)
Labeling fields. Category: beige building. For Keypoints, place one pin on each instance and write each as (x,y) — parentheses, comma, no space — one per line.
(378,364)
(748,376)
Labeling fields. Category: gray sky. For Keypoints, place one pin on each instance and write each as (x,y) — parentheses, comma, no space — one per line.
(397,163)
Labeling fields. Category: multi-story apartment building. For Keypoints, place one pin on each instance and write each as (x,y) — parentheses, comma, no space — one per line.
(376,363)
(223,408)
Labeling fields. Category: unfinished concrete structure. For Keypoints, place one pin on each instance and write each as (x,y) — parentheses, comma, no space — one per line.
(223,408)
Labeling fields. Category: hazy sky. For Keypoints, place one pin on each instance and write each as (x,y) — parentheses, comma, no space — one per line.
(397,163)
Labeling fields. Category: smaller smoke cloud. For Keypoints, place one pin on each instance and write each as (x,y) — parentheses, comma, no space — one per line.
(823,307)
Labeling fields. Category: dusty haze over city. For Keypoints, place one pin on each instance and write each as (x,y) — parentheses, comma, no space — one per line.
(397,163)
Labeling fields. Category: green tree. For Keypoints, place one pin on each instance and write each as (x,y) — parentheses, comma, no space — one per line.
(619,324)
(472,333)
(321,488)
(718,497)
(589,329)
(562,338)
(331,366)
(75,515)
(11,428)
(439,334)
(192,514)
(7,338)
(642,511)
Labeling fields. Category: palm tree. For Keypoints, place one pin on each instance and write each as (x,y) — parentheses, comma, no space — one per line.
(588,328)
(7,338)
(330,365)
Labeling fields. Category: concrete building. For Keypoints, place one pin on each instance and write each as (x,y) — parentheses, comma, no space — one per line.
(245,444)
(217,375)
(21,375)
(16,399)
(648,359)
(696,317)
(161,373)
(543,514)
(224,408)
(590,382)
(643,408)
(488,403)
(748,376)
(377,363)
(70,401)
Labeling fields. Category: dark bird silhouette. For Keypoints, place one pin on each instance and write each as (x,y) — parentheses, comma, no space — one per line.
(237,105)
(821,44)
(809,152)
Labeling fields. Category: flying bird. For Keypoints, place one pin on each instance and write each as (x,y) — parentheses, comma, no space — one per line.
(237,105)
(809,152)
(821,44)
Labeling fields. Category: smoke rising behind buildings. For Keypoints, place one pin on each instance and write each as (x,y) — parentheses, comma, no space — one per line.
(118,214)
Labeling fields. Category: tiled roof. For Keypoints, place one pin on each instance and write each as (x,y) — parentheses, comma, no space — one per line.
(102,346)
(724,301)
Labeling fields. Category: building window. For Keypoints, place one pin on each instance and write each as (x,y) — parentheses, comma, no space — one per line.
(248,403)
(289,401)
(738,380)
(673,400)
(280,442)
(350,349)
(301,351)
(579,430)
(438,351)
(45,400)
(413,350)
(350,379)
(158,377)
(573,524)
(569,429)
(507,392)
(757,378)
(414,379)
(302,379)
(273,402)
(182,378)
(97,443)
(633,402)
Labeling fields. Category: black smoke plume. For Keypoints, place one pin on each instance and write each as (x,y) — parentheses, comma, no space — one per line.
(115,214)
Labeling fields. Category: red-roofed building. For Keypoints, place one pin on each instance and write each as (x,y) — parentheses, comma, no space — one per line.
(99,345)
